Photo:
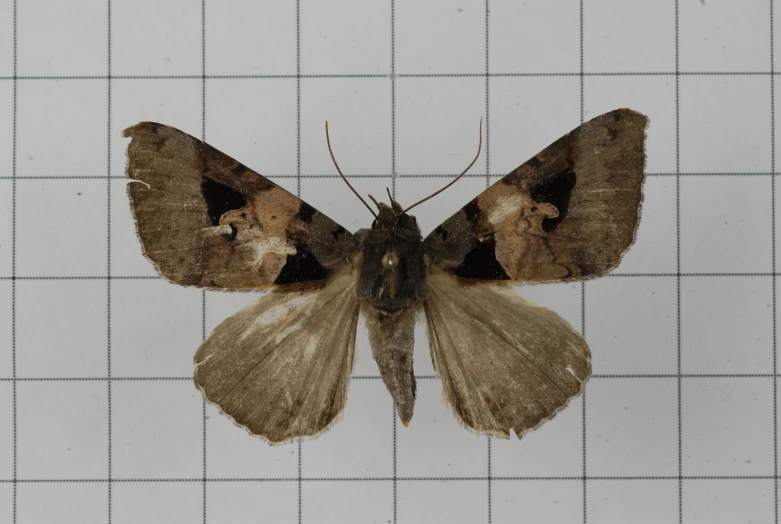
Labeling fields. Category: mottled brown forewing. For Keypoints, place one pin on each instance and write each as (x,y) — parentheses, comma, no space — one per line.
(568,213)
(205,219)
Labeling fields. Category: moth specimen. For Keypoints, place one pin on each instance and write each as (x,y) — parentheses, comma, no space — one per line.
(281,367)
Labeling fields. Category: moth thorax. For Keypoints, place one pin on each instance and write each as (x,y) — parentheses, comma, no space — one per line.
(390,261)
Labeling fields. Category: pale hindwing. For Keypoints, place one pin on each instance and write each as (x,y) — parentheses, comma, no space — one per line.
(505,363)
(281,367)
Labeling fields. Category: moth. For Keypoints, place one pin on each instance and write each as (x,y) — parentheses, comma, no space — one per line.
(281,367)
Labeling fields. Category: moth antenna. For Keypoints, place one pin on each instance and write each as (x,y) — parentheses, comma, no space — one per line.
(328,139)
(389,193)
(479,147)
(375,201)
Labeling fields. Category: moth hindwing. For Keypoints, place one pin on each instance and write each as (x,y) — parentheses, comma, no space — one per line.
(281,367)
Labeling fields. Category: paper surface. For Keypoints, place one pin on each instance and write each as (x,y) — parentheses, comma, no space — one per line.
(99,418)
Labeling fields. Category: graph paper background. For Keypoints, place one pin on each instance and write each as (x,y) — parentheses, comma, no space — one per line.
(99,419)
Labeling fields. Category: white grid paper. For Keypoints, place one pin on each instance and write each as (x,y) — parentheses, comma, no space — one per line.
(99,420)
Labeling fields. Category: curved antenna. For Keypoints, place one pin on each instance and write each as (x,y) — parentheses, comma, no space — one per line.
(328,139)
(479,147)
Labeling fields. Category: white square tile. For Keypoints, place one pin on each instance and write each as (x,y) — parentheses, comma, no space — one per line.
(247,38)
(133,502)
(157,429)
(356,44)
(6,304)
(637,501)
(232,452)
(361,443)
(169,44)
(339,502)
(632,326)
(728,501)
(432,213)
(652,96)
(70,238)
(655,248)
(254,121)
(68,39)
(6,498)
(727,426)
(61,128)
(334,199)
(519,41)
(621,36)
(6,38)
(359,117)
(275,502)
(175,102)
(156,327)
(62,430)
(127,255)
(439,134)
(708,36)
(536,501)
(724,124)
(448,38)
(434,444)
(6,122)
(74,338)
(6,228)
(6,430)
(727,325)
(527,115)
(724,224)
(554,449)
(442,501)
(85,503)
(632,427)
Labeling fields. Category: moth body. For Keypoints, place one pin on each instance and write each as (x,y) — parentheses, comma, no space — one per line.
(391,287)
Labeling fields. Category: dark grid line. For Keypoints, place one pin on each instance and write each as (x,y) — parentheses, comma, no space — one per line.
(387,175)
(13,273)
(394,175)
(612,275)
(204,493)
(384,479)
(108,260)
(583,288)
(773,259)
(399,75)
(678,256)
(487,184)
(298,192)
(418,377)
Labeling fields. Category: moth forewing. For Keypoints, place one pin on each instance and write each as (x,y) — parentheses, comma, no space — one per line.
(570,212)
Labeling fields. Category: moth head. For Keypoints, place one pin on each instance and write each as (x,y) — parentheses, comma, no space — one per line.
(393,217)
